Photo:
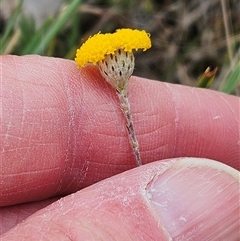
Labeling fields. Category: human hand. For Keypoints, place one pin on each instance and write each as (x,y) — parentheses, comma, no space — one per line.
(63,130)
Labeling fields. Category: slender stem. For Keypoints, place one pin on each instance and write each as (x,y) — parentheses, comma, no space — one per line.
(125,106)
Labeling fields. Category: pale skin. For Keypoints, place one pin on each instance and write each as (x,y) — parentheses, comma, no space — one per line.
(62,131)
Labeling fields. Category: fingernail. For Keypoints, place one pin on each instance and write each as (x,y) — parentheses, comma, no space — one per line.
(197,199)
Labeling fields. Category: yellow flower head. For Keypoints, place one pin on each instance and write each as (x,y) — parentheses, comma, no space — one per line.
(113,54)
(96,48)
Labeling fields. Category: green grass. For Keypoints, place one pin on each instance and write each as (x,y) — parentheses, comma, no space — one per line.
(32,41)
(230,83)
(6,36)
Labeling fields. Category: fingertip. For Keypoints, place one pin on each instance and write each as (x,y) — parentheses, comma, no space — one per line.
(175,198)
(196,198)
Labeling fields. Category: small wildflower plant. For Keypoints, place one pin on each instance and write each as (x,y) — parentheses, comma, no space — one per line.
(113,54)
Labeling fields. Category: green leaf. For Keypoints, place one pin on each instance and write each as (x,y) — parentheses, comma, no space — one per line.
(205,81)
(232,81)
(35,40)
(28,29)
(9,28)
(40,42)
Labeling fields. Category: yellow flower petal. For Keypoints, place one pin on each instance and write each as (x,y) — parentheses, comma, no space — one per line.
(98,46)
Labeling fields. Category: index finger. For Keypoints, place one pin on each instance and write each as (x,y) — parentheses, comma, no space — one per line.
(63,129)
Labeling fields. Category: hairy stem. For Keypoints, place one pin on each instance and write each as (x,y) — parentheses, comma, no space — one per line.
(125,106)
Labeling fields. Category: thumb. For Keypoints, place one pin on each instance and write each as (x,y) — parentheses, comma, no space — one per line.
(177,199)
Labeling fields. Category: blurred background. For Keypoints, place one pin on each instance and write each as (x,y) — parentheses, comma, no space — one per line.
(187,36)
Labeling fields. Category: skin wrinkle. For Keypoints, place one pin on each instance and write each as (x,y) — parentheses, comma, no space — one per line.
(107,94)
(203,145)
(176,119)
(7,135)
(135,103)
(40,232)
(226,102)
(71,137)
(101,133)
(156,149)
(8,125)
(68,226)
(11,192)
(149,113)
(42,110)
(31,172)
(30,168)
(157,127)
(22,116)
(93,231)
(156,130)
(230,124)
(11,216)
(77,174)
(114,196)
(99,118)
(83,110)
(230,107)
(23,121)
(115,118)
(213,127)
(72,173)
(20,188)
(70,230)
(84,120)
(233,113)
